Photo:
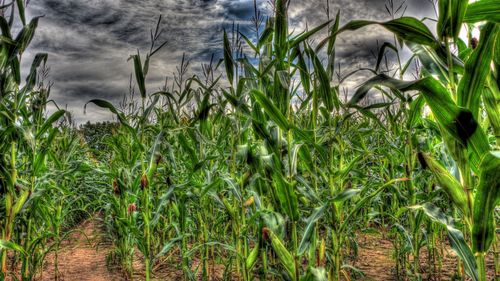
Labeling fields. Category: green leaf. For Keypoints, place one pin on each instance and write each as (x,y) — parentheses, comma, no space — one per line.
(483,10)
(228,59)
(12,246)
(497,62)
(20,7)
(309,230)
(286,196)
(247,40)
(305,76)
(367,113)
(451,16)
(37,61)
(274,221)
(456,238)
(381,53)
(416,108)
(283,254)
(27,33)
(327,94)
(147,112)
(283,78)
(331,46)
(265,37)
(345,195)
(304,36)
(478,69)
(110,107)
(491,95)
(458,122)
(139,74)
(318,214)
(252,258)
(315,274)
(368,85)
(486,199)
(16,70)
(433,62)
(281,28)
(271,109)
(155,156)
(333,37)
(361,203)
(447,181)
(166,248)
(48,123)
(406,28)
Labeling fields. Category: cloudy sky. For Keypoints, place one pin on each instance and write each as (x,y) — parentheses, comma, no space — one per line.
(89,41)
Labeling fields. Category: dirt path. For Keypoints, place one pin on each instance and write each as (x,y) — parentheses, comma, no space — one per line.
(376,262)
(82,257)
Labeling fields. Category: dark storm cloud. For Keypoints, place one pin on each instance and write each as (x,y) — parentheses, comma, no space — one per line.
(89,41)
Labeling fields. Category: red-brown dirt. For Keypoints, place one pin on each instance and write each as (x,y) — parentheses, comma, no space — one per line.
(377,263)
(83,255)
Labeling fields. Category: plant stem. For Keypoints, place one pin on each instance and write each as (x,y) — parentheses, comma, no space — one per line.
(481,266)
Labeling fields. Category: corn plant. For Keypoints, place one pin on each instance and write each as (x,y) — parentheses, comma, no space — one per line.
(259,164)
(34,197)
(133,168)
(453,87)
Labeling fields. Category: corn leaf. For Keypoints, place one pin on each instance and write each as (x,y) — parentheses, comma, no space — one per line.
(105,104)
(37,61)
(456,238)
(447,181)
(327,94)
(451,16)
(491,96)
(315,274)
(283,254)
(228,59)
(361,203)
(20,7)
(382,51)
(12,246)
(286,196)
(265,37)
(48,123)
(281,28)
(309,230)
(318,214)
(139,74)
(483,10)
(406,28)
(304,36)
(271,109)
(458,122)
(252,258)
(477,69)
(486,199)
(27,33)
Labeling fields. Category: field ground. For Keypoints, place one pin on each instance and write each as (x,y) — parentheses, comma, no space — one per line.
(83,256)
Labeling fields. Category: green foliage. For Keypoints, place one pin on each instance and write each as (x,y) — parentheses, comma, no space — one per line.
(97,137)
(273,173)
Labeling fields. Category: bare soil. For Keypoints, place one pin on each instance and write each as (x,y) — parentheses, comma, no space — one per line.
(83,257)
(377,263)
